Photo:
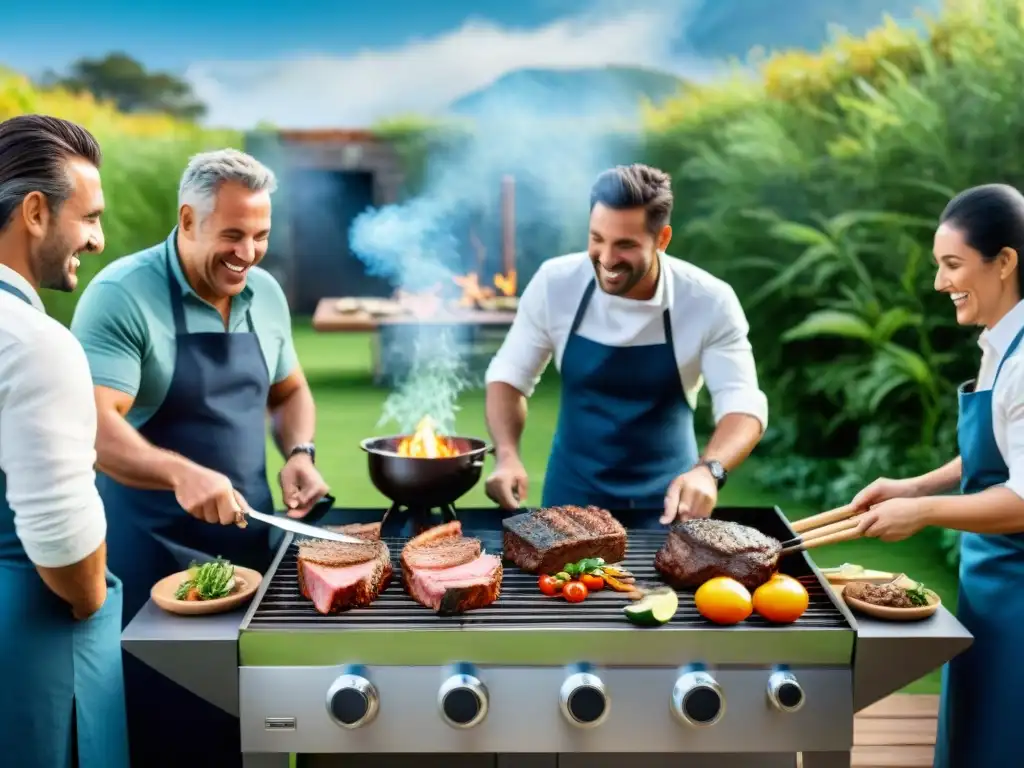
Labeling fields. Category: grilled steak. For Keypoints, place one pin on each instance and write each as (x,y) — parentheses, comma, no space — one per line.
(447,573)
(698,550)
(337,576)
(368,531)
(545,540)
(443,553)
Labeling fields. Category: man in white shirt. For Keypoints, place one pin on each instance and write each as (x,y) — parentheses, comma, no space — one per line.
(635,333)
(60,610)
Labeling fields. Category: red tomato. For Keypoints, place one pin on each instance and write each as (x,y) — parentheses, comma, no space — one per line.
(592,582)
(575,592)
(549,585)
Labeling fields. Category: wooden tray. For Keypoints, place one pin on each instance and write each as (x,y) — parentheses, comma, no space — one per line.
(163,594)
(887,613)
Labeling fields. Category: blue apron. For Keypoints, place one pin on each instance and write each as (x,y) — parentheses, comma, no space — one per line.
(214,414)
(625,430)
(983,687)
(62,699)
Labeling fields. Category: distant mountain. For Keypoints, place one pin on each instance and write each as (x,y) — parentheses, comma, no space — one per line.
(614,92)
(718,29)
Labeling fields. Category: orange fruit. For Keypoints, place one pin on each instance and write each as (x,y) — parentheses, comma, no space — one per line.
(723,600)
(781,600)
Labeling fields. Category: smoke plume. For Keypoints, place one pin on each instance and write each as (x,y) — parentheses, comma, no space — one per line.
(421,243)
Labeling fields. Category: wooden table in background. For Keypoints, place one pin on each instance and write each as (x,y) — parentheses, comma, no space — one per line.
(327,319)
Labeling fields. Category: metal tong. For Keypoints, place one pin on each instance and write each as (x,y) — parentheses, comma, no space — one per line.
(832,527)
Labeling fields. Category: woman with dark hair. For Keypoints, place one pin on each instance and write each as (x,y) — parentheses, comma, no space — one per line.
(978,247)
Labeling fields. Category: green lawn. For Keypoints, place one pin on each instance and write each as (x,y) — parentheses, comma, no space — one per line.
(349,407)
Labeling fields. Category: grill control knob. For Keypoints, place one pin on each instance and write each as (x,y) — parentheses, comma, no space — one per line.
(463,699)
(697,699)
(585,703)
(784,692)
(352,701)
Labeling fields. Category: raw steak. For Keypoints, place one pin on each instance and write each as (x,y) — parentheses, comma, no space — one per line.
(336,576)
(698,550)
(447,573)
(545,540)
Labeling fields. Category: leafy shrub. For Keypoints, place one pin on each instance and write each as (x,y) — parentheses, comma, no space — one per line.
(814,190)
(143,157)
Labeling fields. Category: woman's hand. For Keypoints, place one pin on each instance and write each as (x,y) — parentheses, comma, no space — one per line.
(893,520)
(885,488)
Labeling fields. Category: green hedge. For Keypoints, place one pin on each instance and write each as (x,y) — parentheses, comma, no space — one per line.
(819,206)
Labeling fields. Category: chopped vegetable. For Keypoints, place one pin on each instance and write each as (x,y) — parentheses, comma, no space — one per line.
(655,608)
(917,594)
(575,592)
(619,585)
(208,581)
(550,585)
(592,582)
(586,565)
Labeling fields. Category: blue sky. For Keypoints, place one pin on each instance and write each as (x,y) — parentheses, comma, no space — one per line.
(174,35)
(350,63)
(318,63)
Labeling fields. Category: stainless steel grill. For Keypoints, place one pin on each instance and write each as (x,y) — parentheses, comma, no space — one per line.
(534,682)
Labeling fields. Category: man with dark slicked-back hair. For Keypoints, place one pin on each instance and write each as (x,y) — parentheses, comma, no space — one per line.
(60,608)
(635,334)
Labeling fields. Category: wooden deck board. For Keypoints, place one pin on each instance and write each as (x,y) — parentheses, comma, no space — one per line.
(897,732)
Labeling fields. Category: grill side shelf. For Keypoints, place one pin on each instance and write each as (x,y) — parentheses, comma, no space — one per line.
(521,604)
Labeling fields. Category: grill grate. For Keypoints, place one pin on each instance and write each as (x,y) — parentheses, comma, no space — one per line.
(520,605)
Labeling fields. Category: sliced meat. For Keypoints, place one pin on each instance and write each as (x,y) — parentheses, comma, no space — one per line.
(543,541)
(368,531)
(446,572)
(698,550)
(443,553)
(338,553)
(337,576)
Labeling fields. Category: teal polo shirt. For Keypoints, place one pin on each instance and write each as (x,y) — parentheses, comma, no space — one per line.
(125,323)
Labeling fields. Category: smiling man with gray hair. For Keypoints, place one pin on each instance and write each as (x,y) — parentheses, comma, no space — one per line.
(189,345)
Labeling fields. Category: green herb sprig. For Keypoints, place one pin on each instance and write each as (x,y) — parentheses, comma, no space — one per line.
(917,594)
(211,580)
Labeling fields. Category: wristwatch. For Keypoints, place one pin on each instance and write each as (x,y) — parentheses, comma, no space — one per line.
(307,448)
(716,469)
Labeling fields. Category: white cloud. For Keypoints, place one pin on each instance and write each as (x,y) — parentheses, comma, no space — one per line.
(424,76)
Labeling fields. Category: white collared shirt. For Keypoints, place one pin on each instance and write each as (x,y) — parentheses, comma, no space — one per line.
(47,432)
(1008,395)
(709,330)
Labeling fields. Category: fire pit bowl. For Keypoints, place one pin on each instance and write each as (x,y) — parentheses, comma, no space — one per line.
(424,483)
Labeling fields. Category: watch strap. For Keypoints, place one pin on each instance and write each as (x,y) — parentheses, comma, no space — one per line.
(307,448)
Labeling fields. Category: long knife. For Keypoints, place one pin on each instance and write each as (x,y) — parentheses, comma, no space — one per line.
(304,529)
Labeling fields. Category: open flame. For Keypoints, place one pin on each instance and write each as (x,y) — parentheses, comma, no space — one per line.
(506,283)
(473,293)
(428,303)
(426,443)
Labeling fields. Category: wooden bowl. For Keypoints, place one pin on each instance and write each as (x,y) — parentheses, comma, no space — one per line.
(887,613)
(248,581)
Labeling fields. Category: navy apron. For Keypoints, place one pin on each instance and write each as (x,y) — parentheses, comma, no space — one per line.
(983,687)
(625,429)
(214,414)
(62,701)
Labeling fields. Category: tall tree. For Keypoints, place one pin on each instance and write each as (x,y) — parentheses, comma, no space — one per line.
(119,78)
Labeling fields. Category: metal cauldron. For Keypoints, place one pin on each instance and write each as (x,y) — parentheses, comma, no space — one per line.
(415,482)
